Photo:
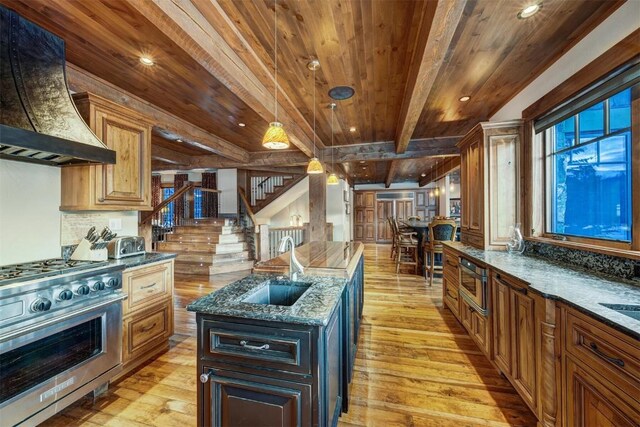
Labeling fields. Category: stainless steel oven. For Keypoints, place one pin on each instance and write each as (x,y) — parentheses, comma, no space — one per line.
(49,364)
(473,285)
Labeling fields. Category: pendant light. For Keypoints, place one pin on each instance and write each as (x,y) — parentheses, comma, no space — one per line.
(315,167)
(275,138)
(431,175)
(333,179)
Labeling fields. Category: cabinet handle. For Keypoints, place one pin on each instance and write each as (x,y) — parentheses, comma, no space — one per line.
(245,344)
(204,378)
(598,352)
(147,328)
(523,291)
(149,286)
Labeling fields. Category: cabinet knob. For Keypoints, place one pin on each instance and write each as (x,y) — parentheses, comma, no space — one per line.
(204,378)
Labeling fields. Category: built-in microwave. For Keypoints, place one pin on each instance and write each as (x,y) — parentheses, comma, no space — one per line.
(473,285)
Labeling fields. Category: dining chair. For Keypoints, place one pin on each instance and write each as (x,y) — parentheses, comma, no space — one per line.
(414,218)
(440,230)
(394,247)
(406,248)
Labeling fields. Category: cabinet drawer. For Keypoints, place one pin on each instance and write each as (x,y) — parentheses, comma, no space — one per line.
(274,348)
(450,264)
(604,350)
(147,285)
(473,240)
(450,291)
(147,329)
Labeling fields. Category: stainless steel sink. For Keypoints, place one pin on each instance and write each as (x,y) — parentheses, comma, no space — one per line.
(632,311)
(278,292)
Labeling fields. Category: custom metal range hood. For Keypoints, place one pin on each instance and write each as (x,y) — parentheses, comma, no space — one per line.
(38,119)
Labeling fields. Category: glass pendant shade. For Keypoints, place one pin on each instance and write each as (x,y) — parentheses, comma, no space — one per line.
(315,166)
(275,138)
(332,180)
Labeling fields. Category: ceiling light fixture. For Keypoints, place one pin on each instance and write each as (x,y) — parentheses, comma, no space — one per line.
(423,175)
(178,140)
(529,11)
(352,129)
(314,167)
(241,124)
(275,138)
(437,190)
(145,60)
(332,179)
(362,161)
(464,98)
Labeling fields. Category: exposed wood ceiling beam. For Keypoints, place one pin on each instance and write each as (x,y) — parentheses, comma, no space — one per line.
(436,34)
(82,81)
(391,173)
(441,171)
(209,36)
(169,156)
(382,151)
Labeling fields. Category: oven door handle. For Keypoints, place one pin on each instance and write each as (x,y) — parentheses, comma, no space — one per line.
(55,320)
(470,272)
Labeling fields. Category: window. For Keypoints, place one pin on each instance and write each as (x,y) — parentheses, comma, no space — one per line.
(197,202)
(167,211)
(589,178)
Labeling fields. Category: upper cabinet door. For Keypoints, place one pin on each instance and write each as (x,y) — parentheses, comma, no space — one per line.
(125,185)
(128,179)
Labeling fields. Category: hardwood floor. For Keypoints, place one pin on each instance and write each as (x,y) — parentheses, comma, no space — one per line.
(416,366)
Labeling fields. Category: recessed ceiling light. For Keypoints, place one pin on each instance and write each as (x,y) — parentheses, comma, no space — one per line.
(464,98)
(145,60)
(423,175)
(529,11)
(361,161)
(313,65)
(178,140)
(241,124)
(352,129)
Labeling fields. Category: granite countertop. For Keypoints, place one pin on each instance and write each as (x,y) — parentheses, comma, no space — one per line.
(575,286)
(318,258)
(138,260)
(314,307)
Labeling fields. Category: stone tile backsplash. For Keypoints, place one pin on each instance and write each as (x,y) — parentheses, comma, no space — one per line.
(600,263)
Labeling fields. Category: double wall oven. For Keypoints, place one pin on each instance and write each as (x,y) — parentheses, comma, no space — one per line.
(473,286)
(60,338)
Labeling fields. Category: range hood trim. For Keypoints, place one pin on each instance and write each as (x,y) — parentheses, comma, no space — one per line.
(79,152)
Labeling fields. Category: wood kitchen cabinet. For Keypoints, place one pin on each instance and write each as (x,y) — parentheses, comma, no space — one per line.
(125,185)
(601,373)
(514,339)
(489,176)
(451,281)
(365,216)
(147,313)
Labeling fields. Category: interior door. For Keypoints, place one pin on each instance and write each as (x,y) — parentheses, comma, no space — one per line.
(404,209)
(384,211)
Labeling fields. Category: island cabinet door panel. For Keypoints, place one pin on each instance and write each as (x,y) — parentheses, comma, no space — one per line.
(523,344)
(333,352)
(502,325)
(590,402)
(233,399)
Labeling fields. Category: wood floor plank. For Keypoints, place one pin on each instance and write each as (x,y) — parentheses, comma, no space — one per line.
(415,366)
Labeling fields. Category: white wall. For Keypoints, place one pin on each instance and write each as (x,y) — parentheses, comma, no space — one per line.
(228,186)
(299,206)
(336,211)
(394,186)
(616,27)
(30,219)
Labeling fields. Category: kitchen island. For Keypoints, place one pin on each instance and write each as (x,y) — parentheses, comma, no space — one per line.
(276,352)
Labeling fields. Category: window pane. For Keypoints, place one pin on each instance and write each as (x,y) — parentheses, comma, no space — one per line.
(591,122)
(565,133)
(620,110)
(197,203)
(592,190)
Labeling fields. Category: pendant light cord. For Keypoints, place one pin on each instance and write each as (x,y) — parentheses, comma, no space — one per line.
(314,112)
(275,52)
(332,164)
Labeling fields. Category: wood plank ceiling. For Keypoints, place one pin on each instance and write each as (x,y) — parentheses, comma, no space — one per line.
(370,45)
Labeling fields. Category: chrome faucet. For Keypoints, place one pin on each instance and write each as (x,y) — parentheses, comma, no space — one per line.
(294,266)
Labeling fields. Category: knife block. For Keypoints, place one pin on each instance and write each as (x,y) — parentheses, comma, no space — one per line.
(84,252)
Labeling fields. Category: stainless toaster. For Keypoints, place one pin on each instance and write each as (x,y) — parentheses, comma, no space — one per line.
(125,246)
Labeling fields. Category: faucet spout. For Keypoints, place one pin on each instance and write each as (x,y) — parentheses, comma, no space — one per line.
(294,265)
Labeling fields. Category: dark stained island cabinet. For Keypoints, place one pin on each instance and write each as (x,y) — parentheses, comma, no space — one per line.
(284,365)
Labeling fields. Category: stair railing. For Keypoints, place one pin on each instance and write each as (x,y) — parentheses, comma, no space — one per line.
(277,233)
(247,221)
(263,186)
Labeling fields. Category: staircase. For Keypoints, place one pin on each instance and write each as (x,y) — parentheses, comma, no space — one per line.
(208,246)
(265,189)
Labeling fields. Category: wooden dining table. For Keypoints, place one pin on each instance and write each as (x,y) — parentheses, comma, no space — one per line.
(422,231)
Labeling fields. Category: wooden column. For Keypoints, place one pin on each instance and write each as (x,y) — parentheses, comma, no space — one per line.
(318,206)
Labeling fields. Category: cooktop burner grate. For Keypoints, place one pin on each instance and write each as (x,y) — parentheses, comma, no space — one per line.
(43,268)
